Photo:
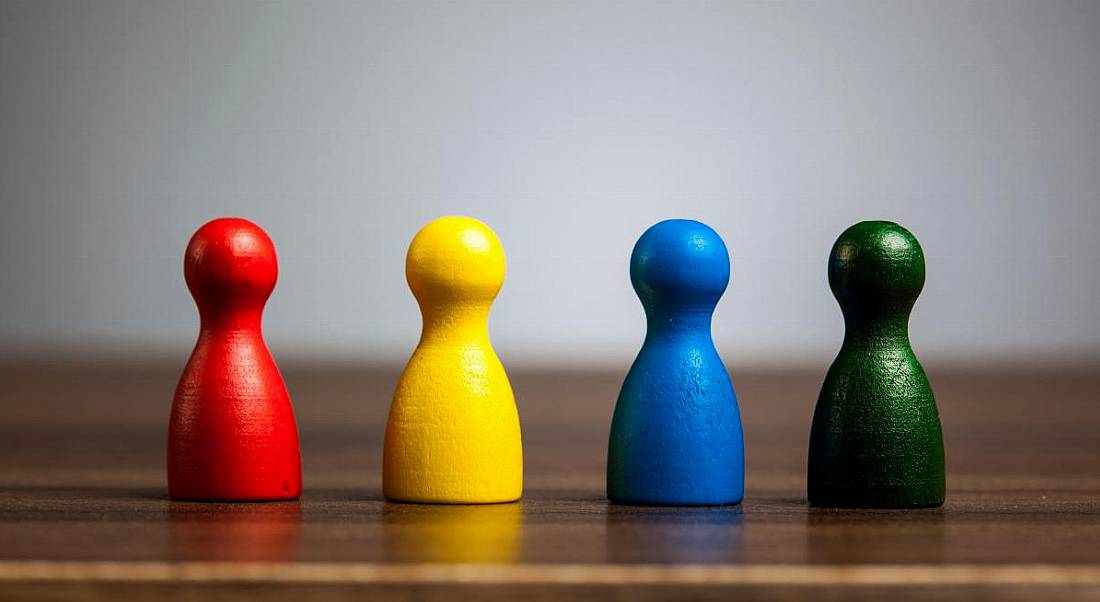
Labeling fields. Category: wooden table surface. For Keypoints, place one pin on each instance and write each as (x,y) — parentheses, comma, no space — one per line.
(83,512)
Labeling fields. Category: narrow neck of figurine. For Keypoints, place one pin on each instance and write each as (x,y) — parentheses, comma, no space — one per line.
(463,321)
(680,322)
(235,319)
(876,329)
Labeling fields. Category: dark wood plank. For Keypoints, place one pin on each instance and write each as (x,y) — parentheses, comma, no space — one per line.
(82,490)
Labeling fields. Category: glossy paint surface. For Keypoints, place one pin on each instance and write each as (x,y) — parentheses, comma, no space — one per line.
(232,434)
(676,434)
(453,433)
(876,440)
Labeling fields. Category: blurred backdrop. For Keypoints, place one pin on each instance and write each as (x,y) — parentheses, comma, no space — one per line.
(342,127)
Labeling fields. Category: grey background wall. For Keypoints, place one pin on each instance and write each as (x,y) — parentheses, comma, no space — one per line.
(341,127)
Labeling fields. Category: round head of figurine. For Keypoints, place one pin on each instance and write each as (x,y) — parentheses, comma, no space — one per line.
(876,266)
(680,263)
(455,260)
(230,261)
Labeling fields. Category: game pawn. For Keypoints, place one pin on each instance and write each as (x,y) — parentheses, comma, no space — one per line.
(676,433)
(232,435)
(453,433)
(876,440)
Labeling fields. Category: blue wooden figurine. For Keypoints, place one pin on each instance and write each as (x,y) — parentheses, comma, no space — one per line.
(676,436)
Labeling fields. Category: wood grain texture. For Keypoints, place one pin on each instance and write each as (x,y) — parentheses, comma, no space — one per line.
(84,512)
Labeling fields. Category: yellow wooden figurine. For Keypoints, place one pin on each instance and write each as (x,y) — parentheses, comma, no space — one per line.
(453,433)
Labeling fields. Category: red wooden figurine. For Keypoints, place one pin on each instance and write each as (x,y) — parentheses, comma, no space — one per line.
(232,436)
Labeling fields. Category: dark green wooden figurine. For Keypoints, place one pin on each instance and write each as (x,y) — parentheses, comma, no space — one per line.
(876,439)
